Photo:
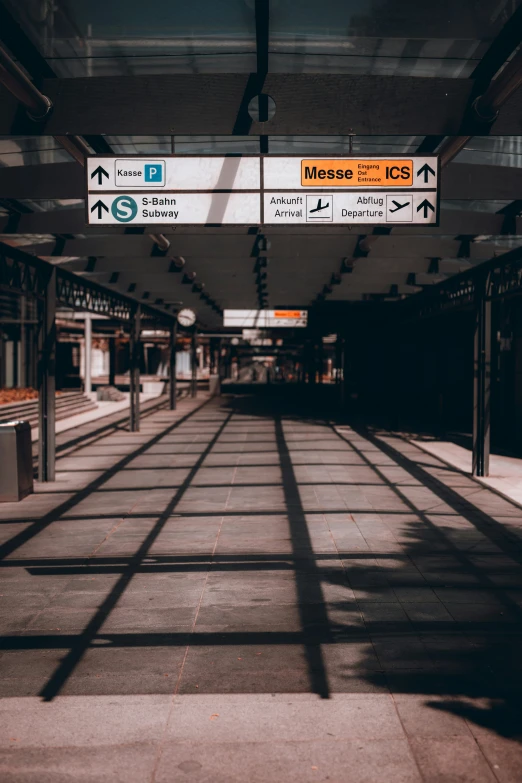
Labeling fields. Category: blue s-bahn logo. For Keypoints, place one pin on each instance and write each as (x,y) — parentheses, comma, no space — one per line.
(124,209)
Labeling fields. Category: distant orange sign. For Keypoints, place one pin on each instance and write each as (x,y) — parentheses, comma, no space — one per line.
(288,314)
(375,173)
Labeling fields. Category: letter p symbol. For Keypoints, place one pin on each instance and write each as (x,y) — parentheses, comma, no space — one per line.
(154,172)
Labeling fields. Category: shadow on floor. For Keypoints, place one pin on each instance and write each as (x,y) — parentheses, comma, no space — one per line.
(406,576)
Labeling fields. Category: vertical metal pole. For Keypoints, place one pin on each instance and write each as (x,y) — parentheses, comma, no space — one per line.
(228,362)
(320,361)
(112,361)
(312,364)
(134,372)
(16,362)
(22,367)
(194,384)
(33,348)
(2,361)
(47,382)
(87,378)
(172,366)
(441,382)
(217,355)
(339,368)
(482,383)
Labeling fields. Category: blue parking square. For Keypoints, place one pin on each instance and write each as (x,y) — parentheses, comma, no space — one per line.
(153,172)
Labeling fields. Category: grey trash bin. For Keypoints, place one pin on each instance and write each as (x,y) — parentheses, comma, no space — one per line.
(16,461)
(214,385)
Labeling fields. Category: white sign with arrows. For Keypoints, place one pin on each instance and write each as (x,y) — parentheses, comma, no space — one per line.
(378,208)
(181,172)
(263,190)
(404,172)
(174,208)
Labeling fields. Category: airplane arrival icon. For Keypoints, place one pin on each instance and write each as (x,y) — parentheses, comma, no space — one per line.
(320,206)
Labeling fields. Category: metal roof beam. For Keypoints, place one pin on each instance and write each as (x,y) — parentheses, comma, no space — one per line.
(499,52)
(209,104)
(139,248)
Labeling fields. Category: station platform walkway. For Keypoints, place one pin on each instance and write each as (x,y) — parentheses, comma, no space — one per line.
(236,593)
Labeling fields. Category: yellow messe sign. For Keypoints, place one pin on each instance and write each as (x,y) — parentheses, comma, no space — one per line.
(376,173)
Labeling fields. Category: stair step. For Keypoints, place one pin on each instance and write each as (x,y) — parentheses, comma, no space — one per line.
(67,404)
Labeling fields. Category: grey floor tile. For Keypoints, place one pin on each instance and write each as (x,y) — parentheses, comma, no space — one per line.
(233,762)
(133,761)
(451,758)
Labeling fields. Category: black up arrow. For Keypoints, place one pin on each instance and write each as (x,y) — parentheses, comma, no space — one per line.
(426,170)
(423,205)
(101,173)
(100,206)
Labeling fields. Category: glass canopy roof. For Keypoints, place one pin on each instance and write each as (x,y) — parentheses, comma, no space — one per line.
(480,150)
(380,37)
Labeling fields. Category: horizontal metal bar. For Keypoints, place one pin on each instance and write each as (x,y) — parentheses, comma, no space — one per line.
(500,89)
(22,88)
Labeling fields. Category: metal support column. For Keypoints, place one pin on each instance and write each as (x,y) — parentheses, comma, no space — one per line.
(339,369)
(482,383)
(112,360)
(87,378)
(194,356)
(47,382)
(320,361)
(172,366)
(217,358)
(134,372)
(2,362)
(22,366)
(228,362)
(312,369)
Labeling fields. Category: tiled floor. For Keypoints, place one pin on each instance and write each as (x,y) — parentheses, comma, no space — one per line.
(505,473)
(232,594)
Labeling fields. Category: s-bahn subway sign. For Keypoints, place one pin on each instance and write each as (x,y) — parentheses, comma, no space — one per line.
(262,190)
(264,319)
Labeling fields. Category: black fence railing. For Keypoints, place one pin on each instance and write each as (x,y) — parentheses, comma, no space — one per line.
(27,275)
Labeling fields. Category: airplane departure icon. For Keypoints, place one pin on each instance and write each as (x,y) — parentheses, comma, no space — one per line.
(398,206)
(320,206)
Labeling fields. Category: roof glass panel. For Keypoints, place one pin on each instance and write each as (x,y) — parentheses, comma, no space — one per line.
(28,150)
(199,145)
(106,37)
(384,37)
(493,151)
(381,37)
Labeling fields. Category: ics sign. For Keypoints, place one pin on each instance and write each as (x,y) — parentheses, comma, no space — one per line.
(264,319)
(356,173)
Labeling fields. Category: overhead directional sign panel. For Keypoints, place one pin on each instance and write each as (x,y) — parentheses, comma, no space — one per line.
(181,172)
(264,319)
(386,207)
(373,173)
(263,190)
(173,208)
